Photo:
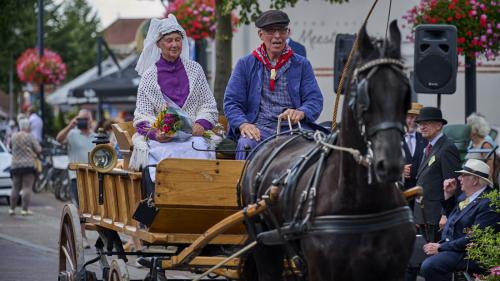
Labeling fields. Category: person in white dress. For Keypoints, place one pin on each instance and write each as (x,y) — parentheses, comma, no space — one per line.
(170,79)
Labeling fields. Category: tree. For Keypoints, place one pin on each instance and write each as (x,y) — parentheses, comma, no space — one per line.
(73,36)
(249,11)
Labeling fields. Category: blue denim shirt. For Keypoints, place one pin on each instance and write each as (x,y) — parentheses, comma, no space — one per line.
(244,90)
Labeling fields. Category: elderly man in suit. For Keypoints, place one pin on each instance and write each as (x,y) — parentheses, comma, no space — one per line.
(464,211)
(414,148)
(440,161)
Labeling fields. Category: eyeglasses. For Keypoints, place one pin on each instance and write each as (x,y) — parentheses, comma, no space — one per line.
(272,31)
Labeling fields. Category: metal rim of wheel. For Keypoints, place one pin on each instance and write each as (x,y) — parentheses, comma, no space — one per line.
(118,271)
(71,257)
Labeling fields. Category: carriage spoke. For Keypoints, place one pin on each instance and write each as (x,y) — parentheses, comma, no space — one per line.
(68,257)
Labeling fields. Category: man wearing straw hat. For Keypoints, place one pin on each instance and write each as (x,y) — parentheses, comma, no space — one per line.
(414,147)
(464,211)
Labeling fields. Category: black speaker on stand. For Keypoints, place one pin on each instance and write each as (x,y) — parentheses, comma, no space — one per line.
(436,60)
(343,46)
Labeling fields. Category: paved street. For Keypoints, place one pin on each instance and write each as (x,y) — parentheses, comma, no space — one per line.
(29,245)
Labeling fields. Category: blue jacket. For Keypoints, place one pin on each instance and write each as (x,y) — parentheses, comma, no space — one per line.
(297,48)
(478,212)
(244,89)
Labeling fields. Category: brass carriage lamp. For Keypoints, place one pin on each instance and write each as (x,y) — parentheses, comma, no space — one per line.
(103,159)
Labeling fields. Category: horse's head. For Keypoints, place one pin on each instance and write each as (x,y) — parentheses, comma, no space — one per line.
(379,98)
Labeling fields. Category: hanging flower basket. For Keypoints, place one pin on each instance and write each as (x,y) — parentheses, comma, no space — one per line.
(477,22)
(49,69)
(197,17)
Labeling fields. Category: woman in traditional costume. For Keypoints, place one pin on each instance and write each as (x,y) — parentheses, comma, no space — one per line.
(170,79)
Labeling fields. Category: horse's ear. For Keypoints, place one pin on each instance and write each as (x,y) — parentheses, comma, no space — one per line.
(395,45)
(365,46)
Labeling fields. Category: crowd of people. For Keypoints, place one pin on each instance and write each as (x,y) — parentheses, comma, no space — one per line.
(276,82)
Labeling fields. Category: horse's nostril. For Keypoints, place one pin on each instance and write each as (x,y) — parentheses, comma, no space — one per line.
(380,166)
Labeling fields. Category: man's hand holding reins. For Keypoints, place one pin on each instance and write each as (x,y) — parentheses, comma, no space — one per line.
(294,114)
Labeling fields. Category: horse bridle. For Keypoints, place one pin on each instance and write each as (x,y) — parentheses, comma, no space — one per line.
(359,100)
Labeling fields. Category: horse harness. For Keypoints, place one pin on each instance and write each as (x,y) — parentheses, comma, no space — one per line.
(301,221)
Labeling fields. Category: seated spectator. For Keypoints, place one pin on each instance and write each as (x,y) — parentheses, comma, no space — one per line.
(465,211)
(269,84)
(170,79)
(479,138)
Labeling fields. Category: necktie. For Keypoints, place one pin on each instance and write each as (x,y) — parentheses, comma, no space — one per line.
(463,204)
(428,150)
(409,142)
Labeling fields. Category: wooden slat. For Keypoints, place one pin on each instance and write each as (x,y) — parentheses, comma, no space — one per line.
(110,197)
(197,183)
(185,238)
(202,261)
(122,200)
(82,196)
(191,220)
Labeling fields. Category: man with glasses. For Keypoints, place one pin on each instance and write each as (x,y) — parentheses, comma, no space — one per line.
(469,209)
(269,84)
(440,161)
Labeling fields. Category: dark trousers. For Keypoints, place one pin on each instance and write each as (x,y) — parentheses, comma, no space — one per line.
(432,234)
(441,266)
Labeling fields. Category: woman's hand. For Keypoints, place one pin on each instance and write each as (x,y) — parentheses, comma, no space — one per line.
(160,137)
(198,130)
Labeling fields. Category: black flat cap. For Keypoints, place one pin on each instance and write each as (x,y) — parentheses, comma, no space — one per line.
(272,17)
(431,114)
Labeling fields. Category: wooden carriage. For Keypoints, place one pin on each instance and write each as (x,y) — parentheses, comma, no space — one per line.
(197,214)
(196,206)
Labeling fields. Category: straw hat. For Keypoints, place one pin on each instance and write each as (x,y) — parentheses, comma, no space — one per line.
(415,108)
(476,168)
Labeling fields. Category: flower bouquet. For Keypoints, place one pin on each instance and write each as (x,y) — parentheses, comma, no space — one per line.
(173,124)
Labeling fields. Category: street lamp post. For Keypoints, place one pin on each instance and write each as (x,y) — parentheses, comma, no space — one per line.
(40,51)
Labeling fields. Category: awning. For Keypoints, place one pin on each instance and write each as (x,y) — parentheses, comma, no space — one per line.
(112,87)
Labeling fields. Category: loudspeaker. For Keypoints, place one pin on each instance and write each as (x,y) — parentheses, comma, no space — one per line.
(343,46)
(436,60)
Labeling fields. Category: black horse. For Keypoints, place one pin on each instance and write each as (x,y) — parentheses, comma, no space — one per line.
(338,216)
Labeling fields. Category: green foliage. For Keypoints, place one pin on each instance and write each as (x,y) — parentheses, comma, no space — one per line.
(73,36)
(485,246)
(250,9)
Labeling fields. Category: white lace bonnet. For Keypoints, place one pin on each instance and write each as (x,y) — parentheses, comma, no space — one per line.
(157,28)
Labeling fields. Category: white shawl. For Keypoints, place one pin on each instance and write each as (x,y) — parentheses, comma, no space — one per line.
(200,104)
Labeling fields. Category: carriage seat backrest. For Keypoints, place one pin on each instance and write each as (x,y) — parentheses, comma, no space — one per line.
(123,134)
(459,134)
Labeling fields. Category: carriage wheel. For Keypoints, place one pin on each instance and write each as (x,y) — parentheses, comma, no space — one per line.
(71,258)
(118,271)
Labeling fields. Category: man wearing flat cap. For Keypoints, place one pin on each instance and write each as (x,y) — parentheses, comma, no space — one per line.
(269,84)
(464,211)
(440,161)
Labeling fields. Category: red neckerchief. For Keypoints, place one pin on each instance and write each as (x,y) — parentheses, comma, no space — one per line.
(260,54)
